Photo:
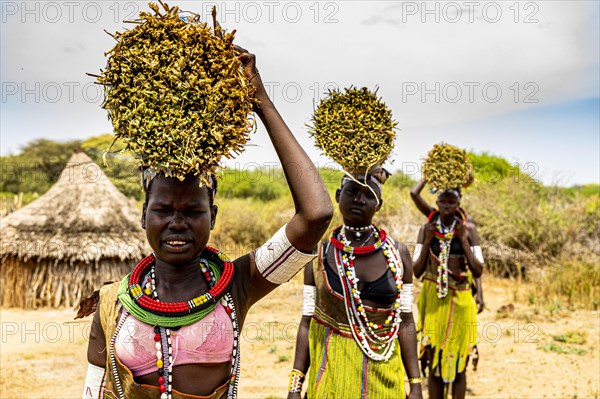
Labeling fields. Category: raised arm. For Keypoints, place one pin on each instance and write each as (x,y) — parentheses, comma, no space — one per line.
(290,248)
(408,334)
(311,200)
(422,205)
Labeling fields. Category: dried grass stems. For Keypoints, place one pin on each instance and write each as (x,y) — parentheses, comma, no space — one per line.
(354,128)
(447,167)
(176,92)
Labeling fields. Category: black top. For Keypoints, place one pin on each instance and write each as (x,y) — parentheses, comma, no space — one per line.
(455,247)
(381,290)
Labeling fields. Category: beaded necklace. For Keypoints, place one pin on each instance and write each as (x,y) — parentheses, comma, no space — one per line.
(444,236)
(162,336)
(346,246)
(359,230)
(377,345)
(197,304)
(165,315)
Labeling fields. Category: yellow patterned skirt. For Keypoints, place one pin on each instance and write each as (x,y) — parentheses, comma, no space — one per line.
(448,327)
(339,369)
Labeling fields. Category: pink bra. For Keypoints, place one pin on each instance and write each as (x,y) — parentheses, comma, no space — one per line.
(209,340)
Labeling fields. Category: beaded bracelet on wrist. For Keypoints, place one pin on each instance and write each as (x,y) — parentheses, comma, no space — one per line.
(296,380)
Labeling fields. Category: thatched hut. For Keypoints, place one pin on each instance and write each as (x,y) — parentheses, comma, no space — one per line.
(81,233)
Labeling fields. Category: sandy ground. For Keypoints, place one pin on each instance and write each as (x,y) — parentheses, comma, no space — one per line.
(531,351)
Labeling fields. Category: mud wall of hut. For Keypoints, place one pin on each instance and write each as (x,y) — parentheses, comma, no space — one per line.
(49,283)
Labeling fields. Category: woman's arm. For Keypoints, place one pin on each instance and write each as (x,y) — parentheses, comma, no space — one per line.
(476,249)
(422,205)
(479,295)
(421,254)
(302,355)
(96,355)
(408,334)
(467,235)
(286,253)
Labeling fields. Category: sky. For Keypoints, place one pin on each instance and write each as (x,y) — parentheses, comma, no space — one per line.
(518,79)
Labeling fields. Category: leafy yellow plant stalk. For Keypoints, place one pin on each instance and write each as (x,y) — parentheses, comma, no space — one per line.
(176,92)
(354,128)
(447,167)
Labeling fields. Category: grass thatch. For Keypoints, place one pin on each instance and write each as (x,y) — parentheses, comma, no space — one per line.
(72,239)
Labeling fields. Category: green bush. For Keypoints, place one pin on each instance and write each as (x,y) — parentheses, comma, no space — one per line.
(37,166)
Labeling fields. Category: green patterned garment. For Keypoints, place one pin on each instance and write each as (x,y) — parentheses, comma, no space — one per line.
(449,326)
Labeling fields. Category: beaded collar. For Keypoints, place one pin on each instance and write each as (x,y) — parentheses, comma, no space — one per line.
(174,314)
(346,247)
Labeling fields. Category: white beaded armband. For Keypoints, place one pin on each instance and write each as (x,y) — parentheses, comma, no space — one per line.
(93,382)
(278,261)
(406,298)
(309,297)
(417,252)
(477,253)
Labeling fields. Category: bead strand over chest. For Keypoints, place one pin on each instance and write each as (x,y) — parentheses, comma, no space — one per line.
(377,341)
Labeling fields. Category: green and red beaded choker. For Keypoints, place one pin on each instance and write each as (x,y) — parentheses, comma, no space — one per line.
(197,304)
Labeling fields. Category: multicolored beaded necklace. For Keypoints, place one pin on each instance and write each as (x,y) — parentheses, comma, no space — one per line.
(444,236)
(146,307)
(377,345)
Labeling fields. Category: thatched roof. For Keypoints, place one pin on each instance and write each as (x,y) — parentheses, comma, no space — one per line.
(83,217)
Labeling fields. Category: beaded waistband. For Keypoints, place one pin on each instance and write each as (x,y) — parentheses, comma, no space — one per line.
(455,282)
(339,328)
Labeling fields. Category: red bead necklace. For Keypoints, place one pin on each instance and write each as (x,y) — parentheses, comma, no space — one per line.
(381,237)
(179,308)
(459,214)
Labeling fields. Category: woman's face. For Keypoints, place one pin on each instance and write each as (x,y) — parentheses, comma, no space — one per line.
(447,204)
(357,203)
(178,219)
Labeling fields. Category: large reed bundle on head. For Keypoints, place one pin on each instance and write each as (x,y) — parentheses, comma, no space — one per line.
(176,93)
(354,127)
(447,167)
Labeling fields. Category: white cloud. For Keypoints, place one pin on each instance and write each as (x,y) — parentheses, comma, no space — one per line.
(302,46)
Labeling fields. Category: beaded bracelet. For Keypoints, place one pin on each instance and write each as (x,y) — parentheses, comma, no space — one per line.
(416,380)
(296,380)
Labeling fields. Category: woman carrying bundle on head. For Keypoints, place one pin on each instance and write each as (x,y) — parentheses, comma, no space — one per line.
(357,333)
(170,329)
(448,257)
(427,210)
